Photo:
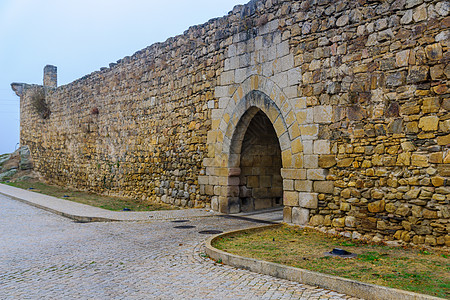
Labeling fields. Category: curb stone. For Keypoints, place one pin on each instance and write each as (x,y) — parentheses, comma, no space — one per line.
(341,285)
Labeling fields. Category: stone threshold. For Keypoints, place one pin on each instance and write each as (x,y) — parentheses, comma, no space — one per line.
(335,283)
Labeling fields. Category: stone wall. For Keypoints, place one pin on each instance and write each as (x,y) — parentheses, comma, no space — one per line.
(357,93)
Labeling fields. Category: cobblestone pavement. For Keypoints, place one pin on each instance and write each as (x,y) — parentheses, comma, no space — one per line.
(45,256)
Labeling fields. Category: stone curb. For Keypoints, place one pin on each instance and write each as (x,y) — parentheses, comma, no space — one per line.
(80,219)
(338,284)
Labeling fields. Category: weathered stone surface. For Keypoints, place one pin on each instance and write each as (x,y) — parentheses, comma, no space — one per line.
(359,115)
(376,206)
(417,74)
(429,123)
(316,220)
(402,210)
(437,181)
(290,198)
(443,140)
(404,159)
(300,216)
(402,58)
(338,222)
(419,160)
(325,187)
(434,52)
(327,161)
(308,200)
(350,221)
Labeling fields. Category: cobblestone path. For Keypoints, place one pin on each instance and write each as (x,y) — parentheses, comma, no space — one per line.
(45,256)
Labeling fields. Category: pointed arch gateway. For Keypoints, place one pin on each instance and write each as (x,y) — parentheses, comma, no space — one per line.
(255,155)
(255,152)
(255,127)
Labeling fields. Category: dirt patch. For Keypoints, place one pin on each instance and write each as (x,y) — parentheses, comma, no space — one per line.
(417,270)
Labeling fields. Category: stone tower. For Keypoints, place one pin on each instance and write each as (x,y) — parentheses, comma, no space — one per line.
(50,76)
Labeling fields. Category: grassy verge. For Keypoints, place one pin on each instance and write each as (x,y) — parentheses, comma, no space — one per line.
(106,202)
(415,270)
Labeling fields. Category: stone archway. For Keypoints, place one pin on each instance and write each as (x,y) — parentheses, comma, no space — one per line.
(257,149)
(295,130)
(257,156)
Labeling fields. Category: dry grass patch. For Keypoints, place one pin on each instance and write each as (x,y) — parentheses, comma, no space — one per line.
(415,270)
(106,202)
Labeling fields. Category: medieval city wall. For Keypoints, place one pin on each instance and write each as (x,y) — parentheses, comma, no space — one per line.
(357,93)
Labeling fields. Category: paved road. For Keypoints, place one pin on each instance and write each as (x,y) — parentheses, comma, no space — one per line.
(45,256)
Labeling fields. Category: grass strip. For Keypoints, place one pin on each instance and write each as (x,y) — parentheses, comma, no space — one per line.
(416,270)
(106,202)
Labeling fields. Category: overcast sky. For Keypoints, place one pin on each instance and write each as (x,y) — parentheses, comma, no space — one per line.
(80,37)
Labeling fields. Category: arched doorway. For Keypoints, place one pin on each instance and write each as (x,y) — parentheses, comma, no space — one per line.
(256,153)
(260,182)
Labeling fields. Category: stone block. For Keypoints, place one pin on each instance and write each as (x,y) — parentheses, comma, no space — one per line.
(290,198)
(316,220)
(322,147)
(434,52)
(407,17)
(215,203)
(443,140)
(420,13)
(323,114)
(227,78)
(309,132)
(287,214)
(403,210)
(288,184)
(316,174)
(345,206)
(324,187)
(293,173)
(350,221)
(402,58)
(308,200)
(437,72)
(404,159)
(345,162)
(338,222)
(253,181)
(343,20)
(311,161)
(430,105)
(265,181)
(327,161)
(429,123)
(437,181)
(234,205)
(297,146)
(376,206)
(447,158)
(419,160)
(300,215)
(303,185)
(417,74)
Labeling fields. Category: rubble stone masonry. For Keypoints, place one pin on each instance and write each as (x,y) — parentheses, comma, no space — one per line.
(356,93)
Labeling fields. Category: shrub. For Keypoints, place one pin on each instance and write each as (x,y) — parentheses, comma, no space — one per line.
(39,102)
